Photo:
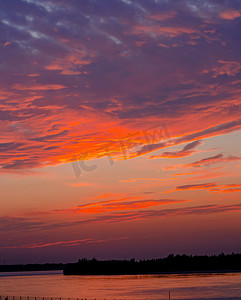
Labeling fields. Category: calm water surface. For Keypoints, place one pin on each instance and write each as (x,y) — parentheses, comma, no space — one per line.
(182,286)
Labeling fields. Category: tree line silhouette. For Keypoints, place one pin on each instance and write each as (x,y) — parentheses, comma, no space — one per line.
(171,263)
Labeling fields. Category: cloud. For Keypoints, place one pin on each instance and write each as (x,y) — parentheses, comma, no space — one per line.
(156,29)
(196,186)
(43,245)
(38,87)
(196,210)
(230,14)
(212,131)
(61,243)
(230,68)
(102,207)
(12,223)
(227,188)
(206,162)
(21,225)
(185,173)
(213,160)
(62,65)
(212,187)
(50,137)
(186,151)
(117,205)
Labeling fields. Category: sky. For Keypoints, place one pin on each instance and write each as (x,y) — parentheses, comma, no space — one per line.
(120,129)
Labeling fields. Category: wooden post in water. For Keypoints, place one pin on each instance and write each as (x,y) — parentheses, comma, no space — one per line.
(169,295)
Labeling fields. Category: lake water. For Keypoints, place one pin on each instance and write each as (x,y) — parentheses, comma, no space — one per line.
(181,286)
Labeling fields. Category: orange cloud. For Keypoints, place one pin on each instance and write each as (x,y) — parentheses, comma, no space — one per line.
(7,44)
(227,188)
(117,205)
(39,87)
(185,173)
(21,224)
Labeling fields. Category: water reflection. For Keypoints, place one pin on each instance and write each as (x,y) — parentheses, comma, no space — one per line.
(182,286)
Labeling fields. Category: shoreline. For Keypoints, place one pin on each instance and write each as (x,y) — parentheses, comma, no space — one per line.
(48,272)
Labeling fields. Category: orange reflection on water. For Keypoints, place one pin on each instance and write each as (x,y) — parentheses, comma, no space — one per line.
(181,286)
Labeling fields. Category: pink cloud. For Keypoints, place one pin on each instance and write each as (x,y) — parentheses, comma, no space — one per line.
(230,68)
(230,14)
(162,30)
(61,243)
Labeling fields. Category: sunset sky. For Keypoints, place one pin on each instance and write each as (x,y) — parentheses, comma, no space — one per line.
(120,129)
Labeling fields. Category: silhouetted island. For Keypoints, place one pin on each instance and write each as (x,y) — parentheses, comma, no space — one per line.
(169,264)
